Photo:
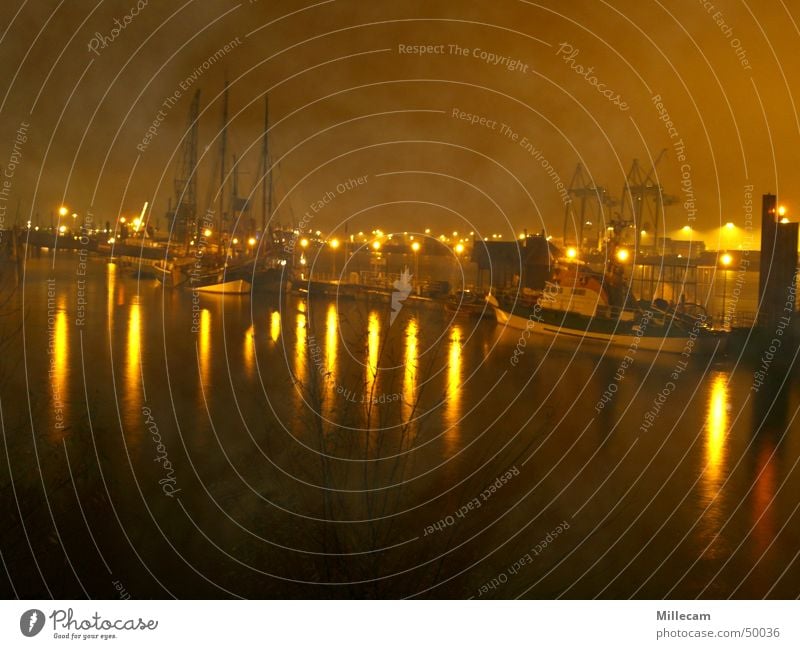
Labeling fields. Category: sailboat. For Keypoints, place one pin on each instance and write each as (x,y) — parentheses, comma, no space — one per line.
(267,271)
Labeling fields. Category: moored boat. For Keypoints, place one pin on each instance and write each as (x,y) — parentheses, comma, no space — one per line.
(577,304)
(467,303)
(231,287)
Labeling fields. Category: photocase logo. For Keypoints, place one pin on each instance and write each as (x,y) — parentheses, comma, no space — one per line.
(402,290)
(31,622)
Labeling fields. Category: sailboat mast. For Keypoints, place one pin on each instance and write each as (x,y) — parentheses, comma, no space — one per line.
(266,204)
(223,152)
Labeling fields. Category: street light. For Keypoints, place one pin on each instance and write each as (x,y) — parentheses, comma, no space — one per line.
(725,260)
(376,245)
(622,255)
(334,244)
(459,248)
(572,253)
(63,210)
(415,247)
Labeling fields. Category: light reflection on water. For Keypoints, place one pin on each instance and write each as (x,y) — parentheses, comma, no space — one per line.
(765,476)
(754,484)
(300,352)
(204,347)
(133,375)
(60,361)
(454,388)
(331,349)
(111,287)
(715,473)
(373,350)
(275,326)
(410,369)
(716,431)
(249,350)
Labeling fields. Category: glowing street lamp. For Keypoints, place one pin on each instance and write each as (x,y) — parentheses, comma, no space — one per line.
(622,255)
(304,243)
(207,232)
(459,248)
(251,241)
(376,245)
(63,210)
(725,260)
(334,244)
(571,253)
(415,246)
(62,229)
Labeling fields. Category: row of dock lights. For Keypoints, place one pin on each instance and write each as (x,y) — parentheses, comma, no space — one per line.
(622,255)
(376,244)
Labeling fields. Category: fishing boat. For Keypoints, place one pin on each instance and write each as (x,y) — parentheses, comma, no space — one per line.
(467,303)
(584,305)
(263,275)
(173,272)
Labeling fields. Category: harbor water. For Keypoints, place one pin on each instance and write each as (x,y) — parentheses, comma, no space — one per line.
(186,445)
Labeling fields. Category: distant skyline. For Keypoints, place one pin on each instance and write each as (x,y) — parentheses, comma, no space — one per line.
(468,117)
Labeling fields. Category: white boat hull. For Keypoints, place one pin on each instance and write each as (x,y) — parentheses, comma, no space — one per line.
(668,344)
(234,287)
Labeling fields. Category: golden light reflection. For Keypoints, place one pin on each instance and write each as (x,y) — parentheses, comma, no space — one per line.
(331,350)
(111,283)
(275,326)
(59,351)
(300,355)
(249,354)
(204,346)
(133,373)
(373,350)
(715,452)
(717,425)
(764,528)
(331,338)
(454,362)
(410,369)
